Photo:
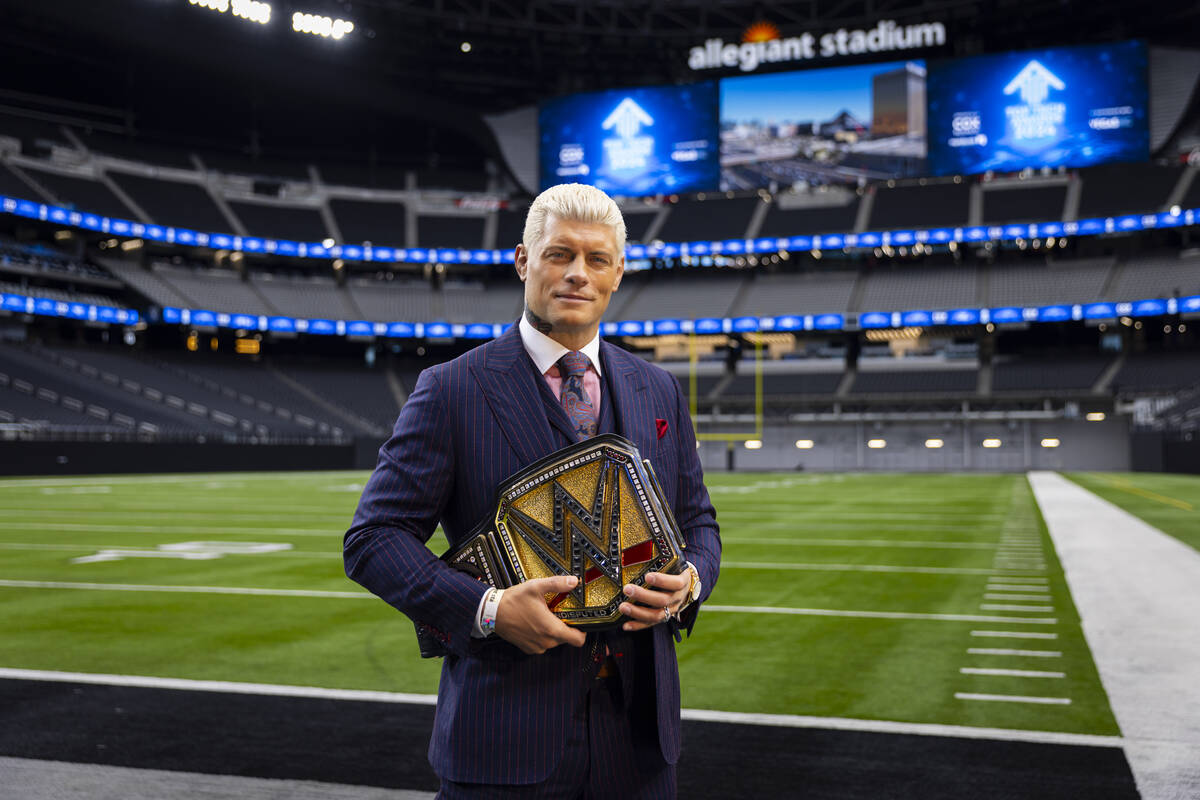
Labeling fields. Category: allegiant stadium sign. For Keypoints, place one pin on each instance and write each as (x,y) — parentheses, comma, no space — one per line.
(756,49)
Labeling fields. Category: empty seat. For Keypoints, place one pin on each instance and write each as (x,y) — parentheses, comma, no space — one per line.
(83,194)
(181,205)
(707,220)
(369,221)
(1027,204)
(932,206)
(281,222)
(449,231)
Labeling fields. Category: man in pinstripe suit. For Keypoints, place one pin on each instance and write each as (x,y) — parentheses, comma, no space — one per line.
(528,706)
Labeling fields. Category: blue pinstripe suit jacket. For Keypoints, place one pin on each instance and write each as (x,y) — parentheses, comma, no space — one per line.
(502,716)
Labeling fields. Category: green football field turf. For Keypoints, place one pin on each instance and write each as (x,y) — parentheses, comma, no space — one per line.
(840,595)
(1170,503)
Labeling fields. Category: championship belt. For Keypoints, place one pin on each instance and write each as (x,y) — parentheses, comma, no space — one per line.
(593,510)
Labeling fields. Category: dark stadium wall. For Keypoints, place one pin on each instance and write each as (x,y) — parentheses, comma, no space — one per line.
(1165,451)
(134,458)
(840,447)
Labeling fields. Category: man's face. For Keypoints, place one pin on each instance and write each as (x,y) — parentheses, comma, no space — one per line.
(570,276)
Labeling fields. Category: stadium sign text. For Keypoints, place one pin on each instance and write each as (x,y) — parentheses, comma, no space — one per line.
(748,55)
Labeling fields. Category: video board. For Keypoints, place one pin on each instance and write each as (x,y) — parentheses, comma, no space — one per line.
(1069,107)
(841,125)
(633,142)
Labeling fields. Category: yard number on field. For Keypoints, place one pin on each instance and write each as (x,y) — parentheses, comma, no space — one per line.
(195,551)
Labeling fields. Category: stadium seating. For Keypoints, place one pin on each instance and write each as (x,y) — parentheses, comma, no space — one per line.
(395,301)
(1068,281)
(810,292)
(782,221)
(474,302)
(363,392)
(679,298)
(369,221)
(1114,189)
(313,297)
(905,287)
(1074,374)
(705,220)
(1023,204)
(1162,274)
(1157,372)
(925,381)
(82,194)
(778,385)
(58,294)
(917,206)
(449,231)
(280,221)
(187,205)
(12,185)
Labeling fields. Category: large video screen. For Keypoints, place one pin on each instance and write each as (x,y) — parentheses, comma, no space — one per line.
(1070,107)
(842,125)
(633,142)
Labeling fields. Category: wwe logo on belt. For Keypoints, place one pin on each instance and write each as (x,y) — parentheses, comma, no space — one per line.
(585,543)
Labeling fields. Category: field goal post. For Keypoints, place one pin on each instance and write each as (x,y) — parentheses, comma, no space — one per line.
(694,400)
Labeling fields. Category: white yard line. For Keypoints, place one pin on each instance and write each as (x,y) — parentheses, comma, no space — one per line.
(331,553)
(1010,587)
(703,715)
(1011,596)
(1138,592)
(718,609)
(864,568)
(1030,579)
(1012,673)
(1000,651)
(827,612)
(147,587)
(168,527)
(1014,698)
(1013,607)
(726,539)
(1015,634)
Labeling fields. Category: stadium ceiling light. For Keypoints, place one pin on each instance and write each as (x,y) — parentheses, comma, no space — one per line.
(1048,443)
(877,444)
(465,47)
(754,444)
(327,243)
(992,443)
(804,444)
(251,10)
(321,25)
(1176,211)
(934,444)
(1094,416)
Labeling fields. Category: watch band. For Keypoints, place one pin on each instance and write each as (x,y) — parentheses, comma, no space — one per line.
(487,620)
(694,588)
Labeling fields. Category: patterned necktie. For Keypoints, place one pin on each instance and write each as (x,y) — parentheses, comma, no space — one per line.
(580,410)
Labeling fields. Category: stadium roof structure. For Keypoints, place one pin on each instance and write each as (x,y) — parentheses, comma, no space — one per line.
(405,84)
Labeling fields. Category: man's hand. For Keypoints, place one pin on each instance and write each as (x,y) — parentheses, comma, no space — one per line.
(524,618)
(662,591)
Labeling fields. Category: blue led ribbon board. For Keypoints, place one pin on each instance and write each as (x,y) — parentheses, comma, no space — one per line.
(1065,107)
(633,142)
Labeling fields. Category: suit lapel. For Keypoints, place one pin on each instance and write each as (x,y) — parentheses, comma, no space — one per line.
(632,407)
(508,383)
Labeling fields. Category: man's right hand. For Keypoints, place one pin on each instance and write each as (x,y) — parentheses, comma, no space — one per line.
(525,619)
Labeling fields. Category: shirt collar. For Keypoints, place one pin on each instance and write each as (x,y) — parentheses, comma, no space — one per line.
(546,352)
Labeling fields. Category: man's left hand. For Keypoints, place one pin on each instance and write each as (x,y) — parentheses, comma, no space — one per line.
(662,592)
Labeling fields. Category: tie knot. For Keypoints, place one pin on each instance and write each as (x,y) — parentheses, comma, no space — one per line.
(573,363)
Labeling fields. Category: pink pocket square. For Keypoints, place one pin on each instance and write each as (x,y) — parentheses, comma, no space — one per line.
(661,426)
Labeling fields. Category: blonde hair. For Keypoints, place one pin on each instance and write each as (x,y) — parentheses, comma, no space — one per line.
(575,202)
